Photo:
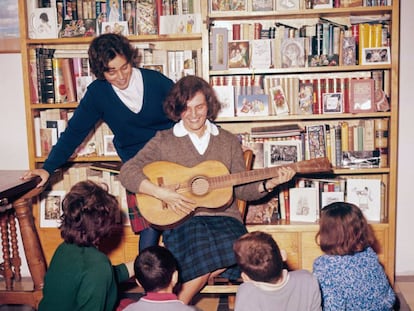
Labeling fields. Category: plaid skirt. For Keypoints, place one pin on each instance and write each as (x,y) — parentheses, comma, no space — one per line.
(138,223)
(204,244)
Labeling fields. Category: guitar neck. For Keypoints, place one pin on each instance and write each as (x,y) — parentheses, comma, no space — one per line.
(318,165)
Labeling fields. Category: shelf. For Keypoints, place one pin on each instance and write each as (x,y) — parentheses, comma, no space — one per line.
(313,13)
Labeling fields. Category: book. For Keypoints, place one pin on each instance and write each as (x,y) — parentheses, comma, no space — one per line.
(348,51)
(238,54)
(68,79)
(225,94)
(361,97)
(113,167)
(43,23)
(305,98)
(366,194)
(252,105)
(284,130)
(58,81)
(293,53)
(147,17)
(261,54)
(303,204)
(114,10)
(279,105)
(316,141)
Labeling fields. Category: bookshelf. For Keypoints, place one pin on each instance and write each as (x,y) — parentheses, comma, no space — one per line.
(300,23)
(124,244)
(297,238)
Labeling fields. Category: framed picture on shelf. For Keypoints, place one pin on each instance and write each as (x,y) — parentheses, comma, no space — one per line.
(361,97)
(262,5)
(238,53)
(322,4)
(51,208)
(332,103)
(377,56)
(227,5)
(219,48)
(282,152)
(43,23)
(293,53)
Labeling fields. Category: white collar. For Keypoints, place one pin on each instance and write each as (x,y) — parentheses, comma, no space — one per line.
(272,287)
(180,131)
(133,95)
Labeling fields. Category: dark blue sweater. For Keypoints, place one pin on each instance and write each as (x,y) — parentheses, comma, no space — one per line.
(131,130)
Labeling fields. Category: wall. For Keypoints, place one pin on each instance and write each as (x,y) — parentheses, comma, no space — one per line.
(405,211)
(13,133)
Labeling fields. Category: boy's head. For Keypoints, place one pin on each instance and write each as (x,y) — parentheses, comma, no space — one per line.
(259,257)
(156,269)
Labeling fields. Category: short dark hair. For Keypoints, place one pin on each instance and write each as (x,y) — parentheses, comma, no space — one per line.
(343,230)
(259,257)
(154,268)
(88,214)
(184,90)
(105,48)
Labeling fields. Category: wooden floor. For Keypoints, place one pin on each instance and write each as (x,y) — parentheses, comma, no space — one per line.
(404,287)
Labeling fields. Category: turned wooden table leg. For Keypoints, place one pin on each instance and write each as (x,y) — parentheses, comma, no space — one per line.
(30,238)
(15,260)
(7,271)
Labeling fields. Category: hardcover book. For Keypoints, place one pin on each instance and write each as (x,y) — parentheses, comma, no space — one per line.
(146,17)
(361,97)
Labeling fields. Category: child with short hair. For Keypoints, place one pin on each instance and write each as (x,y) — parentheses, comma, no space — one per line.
(267,285)
(349,273)
(156,271)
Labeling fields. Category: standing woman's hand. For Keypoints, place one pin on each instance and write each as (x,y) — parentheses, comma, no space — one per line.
(44,175)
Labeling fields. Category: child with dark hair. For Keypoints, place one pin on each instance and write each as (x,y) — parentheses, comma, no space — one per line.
(267,285)
(156,271)
(80,277)
(349,273)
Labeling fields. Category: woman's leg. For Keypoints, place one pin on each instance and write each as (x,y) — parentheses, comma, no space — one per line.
(148,237)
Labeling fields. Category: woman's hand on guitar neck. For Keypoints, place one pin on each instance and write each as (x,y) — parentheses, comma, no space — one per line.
(284,175)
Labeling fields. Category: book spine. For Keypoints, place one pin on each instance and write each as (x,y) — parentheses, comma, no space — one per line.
(338,145)
(68,79)
(381,140)
(58,81)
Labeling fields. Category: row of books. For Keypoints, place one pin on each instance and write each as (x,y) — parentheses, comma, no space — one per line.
(64,178)
(81,18)
(51,123)
(287,5)
(302,199)
(347,144)
(324,93)
(62,76)
(279,45)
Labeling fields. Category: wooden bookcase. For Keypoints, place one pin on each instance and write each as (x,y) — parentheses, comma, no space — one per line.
(297,239)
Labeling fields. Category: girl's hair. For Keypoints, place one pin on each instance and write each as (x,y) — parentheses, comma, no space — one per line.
(184,90)
(154,268)
(105,48)
(343,230)
(258,255)
(88,214)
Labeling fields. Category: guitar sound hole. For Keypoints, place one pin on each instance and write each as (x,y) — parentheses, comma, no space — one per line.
(199,186)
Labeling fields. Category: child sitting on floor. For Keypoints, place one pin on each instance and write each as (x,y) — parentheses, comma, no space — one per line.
(267,285)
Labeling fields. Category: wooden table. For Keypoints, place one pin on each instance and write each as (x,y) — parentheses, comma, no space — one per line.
(16,197)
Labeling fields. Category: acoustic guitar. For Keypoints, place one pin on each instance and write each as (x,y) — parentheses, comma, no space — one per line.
(209,184)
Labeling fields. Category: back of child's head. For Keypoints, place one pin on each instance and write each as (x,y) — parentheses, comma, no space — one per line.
(154,268)
(343,230)
(89,213)
(259,257)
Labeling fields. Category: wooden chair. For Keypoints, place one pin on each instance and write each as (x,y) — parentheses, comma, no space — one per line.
(221,285)
(16,290)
